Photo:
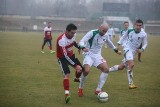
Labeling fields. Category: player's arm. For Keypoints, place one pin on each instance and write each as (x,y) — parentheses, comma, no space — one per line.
(123,38)
(84,41)
(144,42)
(44,32)
(111,45)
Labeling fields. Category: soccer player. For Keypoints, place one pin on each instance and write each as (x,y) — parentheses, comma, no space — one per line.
(110,33)
(122,32)
(47,38)
(93,41)
(135,37)
(66,57)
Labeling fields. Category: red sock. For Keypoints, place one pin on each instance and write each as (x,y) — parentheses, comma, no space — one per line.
(139,56)
(66,85)
(50,47)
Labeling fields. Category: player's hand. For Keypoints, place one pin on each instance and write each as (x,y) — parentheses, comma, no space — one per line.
(119,52)
(139,50)
(85,50)
(78,68)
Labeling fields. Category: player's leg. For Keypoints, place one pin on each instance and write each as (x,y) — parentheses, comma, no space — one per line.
(66,72)
(44,43)
(87,63)
(50,46)
(78,74)
(101,64)
(117,67)
(130,62)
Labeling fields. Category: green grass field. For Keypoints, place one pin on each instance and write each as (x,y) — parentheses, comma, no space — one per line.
(29,78)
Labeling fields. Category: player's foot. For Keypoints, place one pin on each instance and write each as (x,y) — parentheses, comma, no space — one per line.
(139,60)
(77,79)
(97,92)
(132,86)
(80,92)
(42,52)
(51,51)
(67,98)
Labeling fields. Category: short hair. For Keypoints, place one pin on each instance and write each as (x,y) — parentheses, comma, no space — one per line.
(71,27)
(139,21)
(49,22)
(126,22)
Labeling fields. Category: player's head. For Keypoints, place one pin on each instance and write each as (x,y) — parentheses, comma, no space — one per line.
(110,25)
(103,29)
(71,30)
(138,25)
(49,24)
(126,25)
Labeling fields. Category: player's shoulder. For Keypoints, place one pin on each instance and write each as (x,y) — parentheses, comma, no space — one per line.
(130,30)
(143,32)
(92,32)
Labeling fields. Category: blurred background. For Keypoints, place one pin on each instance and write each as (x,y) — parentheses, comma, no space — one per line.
(33,15)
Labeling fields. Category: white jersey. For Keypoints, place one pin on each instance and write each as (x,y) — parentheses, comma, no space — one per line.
(111,33)
(94,42)
(134,40)
(123,32)
(47,31)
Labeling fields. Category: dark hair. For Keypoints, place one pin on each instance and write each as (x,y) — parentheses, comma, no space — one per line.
(139,21)
(49,22)
(71,27)
(126,22)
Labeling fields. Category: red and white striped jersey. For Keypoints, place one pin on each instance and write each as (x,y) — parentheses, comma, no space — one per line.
(64,47)
(47,33)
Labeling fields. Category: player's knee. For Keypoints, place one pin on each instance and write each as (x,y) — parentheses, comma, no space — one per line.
(121,67)
(131,65)
(66,76)
(105,69)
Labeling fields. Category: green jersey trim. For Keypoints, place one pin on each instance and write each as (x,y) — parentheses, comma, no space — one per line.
(91,39)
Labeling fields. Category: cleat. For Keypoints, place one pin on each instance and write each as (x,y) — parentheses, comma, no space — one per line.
(42,52)
(51,51)
(77,79)
(80,92)
(67,99)
(139,60)
(97,92)
(132,86)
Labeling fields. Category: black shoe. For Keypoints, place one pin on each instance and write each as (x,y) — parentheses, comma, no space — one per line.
(76,79)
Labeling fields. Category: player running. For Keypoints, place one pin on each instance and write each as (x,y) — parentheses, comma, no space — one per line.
(135,37)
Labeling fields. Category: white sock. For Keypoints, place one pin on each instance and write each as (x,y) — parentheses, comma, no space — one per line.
(102,80)
(114,68)
(82,81)
(130,76)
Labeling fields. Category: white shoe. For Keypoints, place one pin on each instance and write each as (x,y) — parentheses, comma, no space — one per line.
(51,51)
(42,51)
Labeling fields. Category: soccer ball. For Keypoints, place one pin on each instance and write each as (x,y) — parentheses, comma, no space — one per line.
(102,97)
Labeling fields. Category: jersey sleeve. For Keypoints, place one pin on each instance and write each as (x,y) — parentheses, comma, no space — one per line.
(85,39)
(123,38)
(109,42)
(144,43)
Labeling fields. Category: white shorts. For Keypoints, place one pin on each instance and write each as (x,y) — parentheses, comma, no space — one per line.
(128,55)
(93,60)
